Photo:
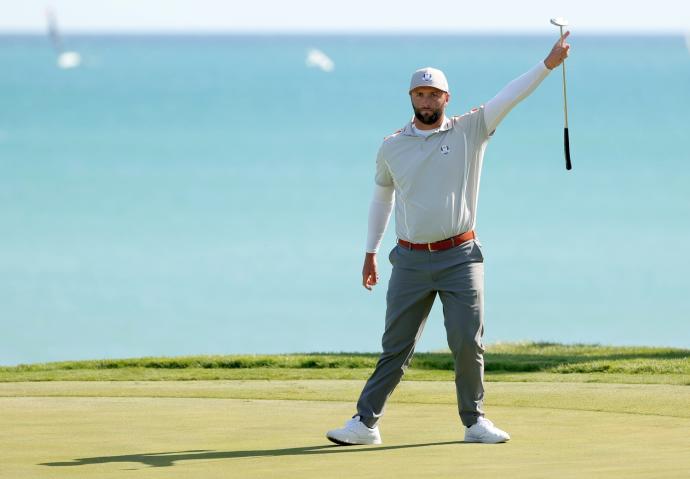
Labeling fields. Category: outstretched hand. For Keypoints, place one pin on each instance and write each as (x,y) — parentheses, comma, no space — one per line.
(558,53)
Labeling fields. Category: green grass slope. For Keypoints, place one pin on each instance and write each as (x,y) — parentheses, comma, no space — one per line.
(528,361)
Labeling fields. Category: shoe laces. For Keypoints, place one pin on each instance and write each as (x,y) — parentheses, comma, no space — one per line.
(352,423)
(485,421)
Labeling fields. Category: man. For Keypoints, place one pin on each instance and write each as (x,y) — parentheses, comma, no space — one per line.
(432,168)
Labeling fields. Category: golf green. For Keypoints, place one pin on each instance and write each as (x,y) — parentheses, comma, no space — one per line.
(229,429)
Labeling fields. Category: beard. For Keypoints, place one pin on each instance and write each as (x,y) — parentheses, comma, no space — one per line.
(427,117)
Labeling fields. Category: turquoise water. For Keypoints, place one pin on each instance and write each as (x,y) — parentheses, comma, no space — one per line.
(184,195)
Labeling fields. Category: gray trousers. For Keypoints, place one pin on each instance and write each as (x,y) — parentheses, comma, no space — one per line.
(457,275)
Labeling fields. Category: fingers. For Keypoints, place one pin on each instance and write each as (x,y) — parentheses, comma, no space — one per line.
(369,274)
(561,41)
(369,279)
(562,49)
(368,282)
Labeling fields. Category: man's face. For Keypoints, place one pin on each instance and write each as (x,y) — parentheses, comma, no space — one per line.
(428,103)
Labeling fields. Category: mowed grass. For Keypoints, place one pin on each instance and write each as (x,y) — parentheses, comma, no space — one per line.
(229,429)
(530,361)
(567,407)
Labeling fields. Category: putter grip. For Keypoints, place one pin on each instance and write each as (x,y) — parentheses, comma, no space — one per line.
(566,143)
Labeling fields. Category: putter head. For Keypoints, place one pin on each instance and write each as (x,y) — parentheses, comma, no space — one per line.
(559,22)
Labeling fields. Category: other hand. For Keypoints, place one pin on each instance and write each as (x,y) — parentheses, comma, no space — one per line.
(370,276)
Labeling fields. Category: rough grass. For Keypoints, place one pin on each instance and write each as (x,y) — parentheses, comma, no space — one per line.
(509,361)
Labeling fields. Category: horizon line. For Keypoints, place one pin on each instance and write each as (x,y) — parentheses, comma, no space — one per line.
(347,32)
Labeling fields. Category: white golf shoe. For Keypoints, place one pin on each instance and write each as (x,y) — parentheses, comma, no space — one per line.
(485,431)
(355,432)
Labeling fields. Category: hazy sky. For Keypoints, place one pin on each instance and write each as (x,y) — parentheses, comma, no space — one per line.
(602,16)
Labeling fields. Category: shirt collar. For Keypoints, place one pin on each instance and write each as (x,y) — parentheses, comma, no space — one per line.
(408,130)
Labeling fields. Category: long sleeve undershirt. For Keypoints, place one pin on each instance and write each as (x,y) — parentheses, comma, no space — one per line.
(513,93)
(494,111)
(379,215)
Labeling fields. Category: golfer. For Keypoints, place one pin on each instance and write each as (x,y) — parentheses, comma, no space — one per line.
(430,170)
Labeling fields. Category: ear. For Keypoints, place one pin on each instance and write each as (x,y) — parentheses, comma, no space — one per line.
(447,98)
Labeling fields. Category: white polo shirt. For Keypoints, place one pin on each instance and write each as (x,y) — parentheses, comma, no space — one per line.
(436,178)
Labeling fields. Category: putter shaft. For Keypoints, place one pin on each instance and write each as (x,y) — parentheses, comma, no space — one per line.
(565,101)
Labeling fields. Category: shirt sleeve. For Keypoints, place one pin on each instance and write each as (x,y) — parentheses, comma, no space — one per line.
(481,132)
(474,125)
(383,174)
(498,107)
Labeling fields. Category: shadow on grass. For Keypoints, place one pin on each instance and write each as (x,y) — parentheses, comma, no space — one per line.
(167,459)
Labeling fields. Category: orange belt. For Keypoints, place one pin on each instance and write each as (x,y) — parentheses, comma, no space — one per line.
(440,245)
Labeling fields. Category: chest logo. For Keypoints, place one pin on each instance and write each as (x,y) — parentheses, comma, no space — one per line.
(445,149)
(426,76)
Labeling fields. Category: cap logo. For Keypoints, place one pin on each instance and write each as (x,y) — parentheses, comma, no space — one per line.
(427,76)
(445,149)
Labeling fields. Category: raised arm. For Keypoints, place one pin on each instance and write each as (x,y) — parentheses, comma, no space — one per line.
(498,107)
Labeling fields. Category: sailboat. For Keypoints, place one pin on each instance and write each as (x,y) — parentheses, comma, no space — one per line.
(318,59)
(65,59)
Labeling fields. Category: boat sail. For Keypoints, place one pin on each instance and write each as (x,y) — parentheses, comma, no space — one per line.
(65,59)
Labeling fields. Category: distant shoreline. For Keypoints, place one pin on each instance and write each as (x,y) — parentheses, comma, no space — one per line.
(327,34)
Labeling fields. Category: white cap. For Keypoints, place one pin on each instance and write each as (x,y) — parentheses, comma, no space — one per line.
(429,77)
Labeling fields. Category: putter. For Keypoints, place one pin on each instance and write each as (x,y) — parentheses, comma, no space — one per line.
(562,22)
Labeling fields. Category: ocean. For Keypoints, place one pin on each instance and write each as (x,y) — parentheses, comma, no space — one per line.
(180,195)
